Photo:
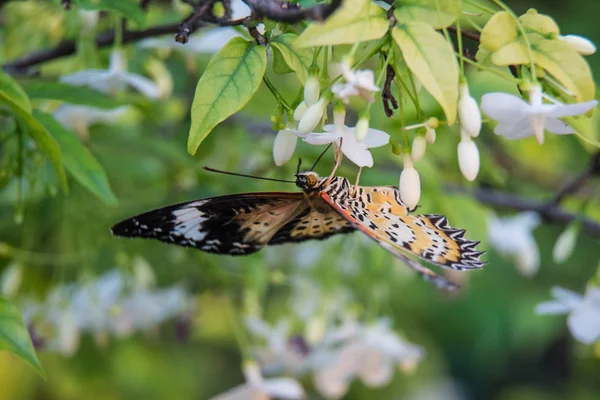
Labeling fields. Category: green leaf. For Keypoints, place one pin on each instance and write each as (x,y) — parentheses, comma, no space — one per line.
(437,13)
(14,96)
(10,89)
(298,59)
(355,21)
(555,57)
(70,94)
(127,8)
(499,31)
(539,23)
(78,160)
(228,83)
(280,67)
(431,58)
(14,336)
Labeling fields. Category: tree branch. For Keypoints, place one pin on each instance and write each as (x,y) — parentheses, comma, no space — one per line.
(290,12)
(549,212)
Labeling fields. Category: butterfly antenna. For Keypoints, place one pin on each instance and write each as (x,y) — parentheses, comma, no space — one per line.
(247,176)
(319,158)
(299,164)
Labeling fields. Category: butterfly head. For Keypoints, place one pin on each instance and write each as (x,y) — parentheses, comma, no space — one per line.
(307,180)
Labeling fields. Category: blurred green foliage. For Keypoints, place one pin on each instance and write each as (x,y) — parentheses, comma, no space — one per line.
(487,340)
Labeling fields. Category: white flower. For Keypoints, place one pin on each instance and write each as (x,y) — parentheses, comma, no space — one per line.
(312,90)
(257,388)
(410,184)
(370,352)
(468,112)
(312,116)
(10,280)
(279,354)
(356,151)
(209,42)
(430,135)
(468,157)
(584,312)
(285,144)
(358,83)
(513,237)
(565,244)
(300,111)
(419,145)
(580,44)
(79,118)
(114,80)
(362,129)
(518,119)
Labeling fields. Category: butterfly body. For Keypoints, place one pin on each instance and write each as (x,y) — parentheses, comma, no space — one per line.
(244,223)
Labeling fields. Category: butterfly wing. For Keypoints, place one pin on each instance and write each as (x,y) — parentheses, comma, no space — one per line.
(381,215)
(313,223)
(235,224)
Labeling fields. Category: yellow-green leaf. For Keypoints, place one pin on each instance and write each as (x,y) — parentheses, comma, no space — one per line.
(78,160)
(14,336)
(437,13)
(129,9)
(431,58)
(567,66)
(355,21)
(511,54)
(298,59)
(13,95)
(229,82)
(539,23)
(500,30)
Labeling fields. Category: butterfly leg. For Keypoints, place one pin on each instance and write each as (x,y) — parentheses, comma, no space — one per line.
(355,188)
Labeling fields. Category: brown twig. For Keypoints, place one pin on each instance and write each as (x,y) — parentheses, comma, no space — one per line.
(553,213)
(290,12)
(466,34)
(387,97)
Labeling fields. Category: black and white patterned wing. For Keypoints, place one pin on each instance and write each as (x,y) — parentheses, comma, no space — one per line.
(235,224)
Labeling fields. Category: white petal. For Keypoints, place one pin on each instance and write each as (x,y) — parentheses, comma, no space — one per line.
(312,117)
(410,187)
(518,130)
(376,370)
(430,135)
(143,85)
(571,110)
(284,146)
(356,151)
(419,146)
(557,126)
(258,327)
(330,387)
(85,77)
(565,244)
(552,307)
(528,258)
(376,138)
(584,323)
(571,299)
(299,111)
(468,159)
(580,44)
(322,138)
(282,388)
(241,392)
(469,115)
(504,107)
(311,91)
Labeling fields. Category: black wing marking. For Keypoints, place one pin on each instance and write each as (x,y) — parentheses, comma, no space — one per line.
(235,224)
(312,224)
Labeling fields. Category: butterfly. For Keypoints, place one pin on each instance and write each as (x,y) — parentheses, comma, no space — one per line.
(242,224)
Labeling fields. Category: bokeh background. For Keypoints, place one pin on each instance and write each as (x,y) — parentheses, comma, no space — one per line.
(484,343)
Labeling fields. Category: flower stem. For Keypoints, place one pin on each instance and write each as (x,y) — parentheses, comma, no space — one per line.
(488,69)
(276,93)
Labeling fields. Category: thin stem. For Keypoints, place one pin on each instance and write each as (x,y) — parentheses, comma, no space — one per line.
(480,6)
(460,47)
(276,93)
(413,97)
(474,24)
(488,69)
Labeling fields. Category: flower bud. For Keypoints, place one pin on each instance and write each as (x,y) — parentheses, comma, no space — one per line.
(10,281)
(362,128)
(312,90)
(299,111)
(283,147)
(419,145)
(468,158)
(410,184)
(430,135)
(118,62)
(143,273)
(580,44)
(312,116)
(468,112)
(565,244)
